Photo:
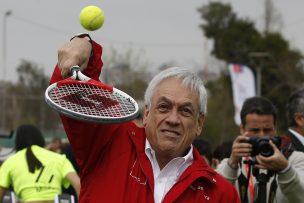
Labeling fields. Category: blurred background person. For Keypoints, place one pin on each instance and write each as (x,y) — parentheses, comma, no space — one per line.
(68,152)
(35,173)
(55,145)
(221,152)
(204,148)
(294,137)
(258,120)
(6,152)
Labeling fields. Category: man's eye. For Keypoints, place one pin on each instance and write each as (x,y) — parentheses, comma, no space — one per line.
(255,130)
(267,130)
(163,107)
(258,130)
(186,111)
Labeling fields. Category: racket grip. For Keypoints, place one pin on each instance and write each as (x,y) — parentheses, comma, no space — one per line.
(74,69)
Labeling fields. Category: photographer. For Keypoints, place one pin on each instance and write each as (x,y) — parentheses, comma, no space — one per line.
(258,117)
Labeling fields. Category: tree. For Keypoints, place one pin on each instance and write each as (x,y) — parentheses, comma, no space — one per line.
(25,103)
(26,99)
(126,71)
(234,40)
(219,124)
(271,16)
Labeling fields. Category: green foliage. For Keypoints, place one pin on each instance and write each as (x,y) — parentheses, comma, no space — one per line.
(136,88)
(25,102)
(127,72)
(32,77)
(219,125)
(235,40)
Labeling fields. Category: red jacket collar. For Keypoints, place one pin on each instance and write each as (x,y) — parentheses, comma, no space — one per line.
(197,171)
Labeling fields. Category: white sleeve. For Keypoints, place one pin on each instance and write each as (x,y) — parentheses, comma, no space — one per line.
(291,182)
(227,172)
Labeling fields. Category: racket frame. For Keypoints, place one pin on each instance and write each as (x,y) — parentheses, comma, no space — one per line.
(76,74)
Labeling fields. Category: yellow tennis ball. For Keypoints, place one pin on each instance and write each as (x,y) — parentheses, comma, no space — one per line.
(91,17)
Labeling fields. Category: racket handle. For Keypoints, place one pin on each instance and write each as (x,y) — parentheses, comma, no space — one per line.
(74,69)
(73,72)
(76,74)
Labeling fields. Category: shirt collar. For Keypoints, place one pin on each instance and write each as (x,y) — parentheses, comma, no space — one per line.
(150,151)
(175,167)
(298,136)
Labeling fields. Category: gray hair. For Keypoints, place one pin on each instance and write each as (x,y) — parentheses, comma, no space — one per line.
(294,105)
(189,79)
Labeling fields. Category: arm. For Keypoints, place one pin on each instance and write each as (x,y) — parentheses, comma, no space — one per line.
(2,193)
(229,173)
(5,178)
(78,52)
(73,178)
(240,148)
(291,182)
(75,52)
(87,139)
(229,168)
(290,172)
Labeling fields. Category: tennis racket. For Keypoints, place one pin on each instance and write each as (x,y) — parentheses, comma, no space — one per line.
(82,98)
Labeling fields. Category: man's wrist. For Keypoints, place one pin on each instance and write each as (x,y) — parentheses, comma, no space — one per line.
(285,169)
(86,36)
(232,165)
(83,35)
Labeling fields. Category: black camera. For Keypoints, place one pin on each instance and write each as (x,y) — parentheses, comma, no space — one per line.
(260,145)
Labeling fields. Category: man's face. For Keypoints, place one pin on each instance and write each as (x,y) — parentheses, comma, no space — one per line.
(259,125)
(173,121)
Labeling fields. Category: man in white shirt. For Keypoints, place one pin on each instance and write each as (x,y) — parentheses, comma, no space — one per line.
(259,118)
(295,117)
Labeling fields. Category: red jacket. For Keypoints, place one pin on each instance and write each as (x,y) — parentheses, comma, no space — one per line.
(115,168)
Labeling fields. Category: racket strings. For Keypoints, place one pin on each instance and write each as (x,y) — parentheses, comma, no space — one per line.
(91,100)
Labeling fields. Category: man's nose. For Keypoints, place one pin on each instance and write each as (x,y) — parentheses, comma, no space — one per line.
(173,117)
(264,132)
(261,133)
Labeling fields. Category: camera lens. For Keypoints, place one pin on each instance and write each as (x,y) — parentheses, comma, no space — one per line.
(265,148)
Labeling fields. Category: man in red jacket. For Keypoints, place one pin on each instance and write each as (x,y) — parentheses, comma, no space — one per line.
(156,163)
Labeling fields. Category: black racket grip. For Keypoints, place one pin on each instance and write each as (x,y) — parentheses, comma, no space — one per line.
(73,69)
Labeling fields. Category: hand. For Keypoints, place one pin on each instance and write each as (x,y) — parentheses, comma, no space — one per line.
(240,148)
(276,162)
(76,52)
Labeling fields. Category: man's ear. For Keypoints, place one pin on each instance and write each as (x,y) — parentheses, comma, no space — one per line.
(201,121)
(298,117)
(146,113)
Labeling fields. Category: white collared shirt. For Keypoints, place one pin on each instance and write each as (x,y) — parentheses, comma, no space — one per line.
(298,136)
(164,179)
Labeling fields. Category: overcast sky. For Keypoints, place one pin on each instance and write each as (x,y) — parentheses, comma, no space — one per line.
(159,30)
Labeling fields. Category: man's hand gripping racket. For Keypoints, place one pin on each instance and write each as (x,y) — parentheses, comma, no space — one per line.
(83,98)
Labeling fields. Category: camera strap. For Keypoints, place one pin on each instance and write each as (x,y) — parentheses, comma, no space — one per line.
(243,186)
(245,183)
(273,189)
(290,144)
(262,180)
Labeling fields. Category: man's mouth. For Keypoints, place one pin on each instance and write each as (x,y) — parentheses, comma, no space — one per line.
(170,132)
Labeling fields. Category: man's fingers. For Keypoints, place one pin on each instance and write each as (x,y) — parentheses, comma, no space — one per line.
(76,52)
(274,147)
(242,138)
(260,166)
(64,73)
